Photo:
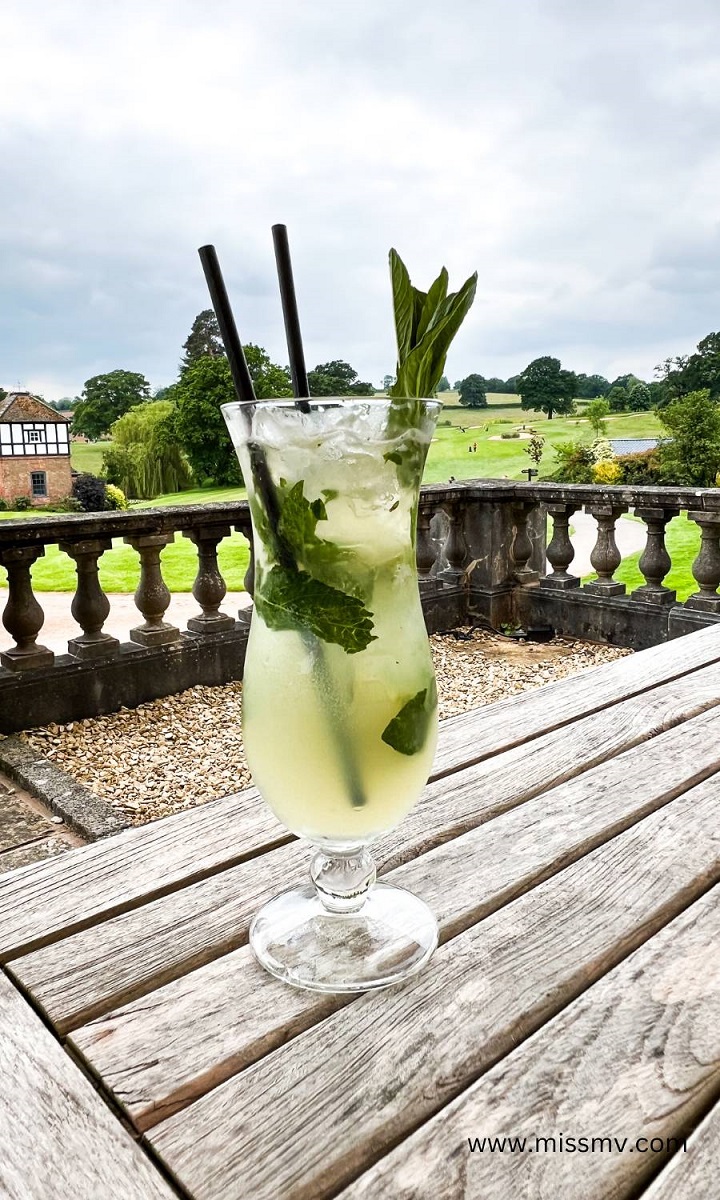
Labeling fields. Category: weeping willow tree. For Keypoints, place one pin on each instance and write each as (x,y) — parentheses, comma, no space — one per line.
(145,459)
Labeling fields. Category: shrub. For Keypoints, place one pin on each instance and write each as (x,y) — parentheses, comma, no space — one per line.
(514,434)
(22,503)
(607,471)
(602,451)
(90,491)
(3,505)
(115,498)
(576,461)
(68,504)
(641,469)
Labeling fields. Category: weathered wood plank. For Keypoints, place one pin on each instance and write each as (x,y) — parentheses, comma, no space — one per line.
(157,1057)
(102,966)
(319,1111)
(47,900)
(52,899)
(474,735)
(59,1138)
(693,1174)
(637,1056)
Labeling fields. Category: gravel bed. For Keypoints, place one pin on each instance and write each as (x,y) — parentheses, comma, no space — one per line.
(179,752)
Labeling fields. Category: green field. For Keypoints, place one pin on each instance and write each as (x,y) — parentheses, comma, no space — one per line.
(448,456)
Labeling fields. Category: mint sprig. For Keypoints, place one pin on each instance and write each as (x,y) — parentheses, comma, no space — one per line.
(408,730)
(292,599)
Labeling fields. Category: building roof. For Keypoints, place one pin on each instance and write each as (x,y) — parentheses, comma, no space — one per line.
(633,445)
(15,400)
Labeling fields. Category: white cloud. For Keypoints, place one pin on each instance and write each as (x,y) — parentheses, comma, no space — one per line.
(564,150)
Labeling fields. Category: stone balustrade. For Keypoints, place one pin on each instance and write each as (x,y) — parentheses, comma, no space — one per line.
(482,555)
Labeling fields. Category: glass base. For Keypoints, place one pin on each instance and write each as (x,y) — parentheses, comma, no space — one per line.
(389,938)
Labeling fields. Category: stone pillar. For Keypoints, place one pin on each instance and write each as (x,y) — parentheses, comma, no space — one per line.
(90,606)
(152,596)
(455,548)
(23,617)
(522,548)
(606,557)
(706,568)
(655,561)
(560,551)
(209,586)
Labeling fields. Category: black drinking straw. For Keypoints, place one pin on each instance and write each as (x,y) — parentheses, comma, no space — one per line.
(288,300)
(245,391)
(226,321)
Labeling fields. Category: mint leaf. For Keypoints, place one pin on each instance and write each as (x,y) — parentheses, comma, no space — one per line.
(407,732)
(298,520)
(288,599)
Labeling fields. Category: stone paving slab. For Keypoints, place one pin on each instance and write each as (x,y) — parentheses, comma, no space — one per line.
(28,831)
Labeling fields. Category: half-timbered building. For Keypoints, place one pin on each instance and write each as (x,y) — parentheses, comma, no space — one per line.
(34,450)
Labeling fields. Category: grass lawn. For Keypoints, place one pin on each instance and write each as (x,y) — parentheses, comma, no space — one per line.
(87,456)
(448,456)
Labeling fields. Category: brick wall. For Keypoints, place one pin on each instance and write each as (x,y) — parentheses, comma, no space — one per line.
(15,477)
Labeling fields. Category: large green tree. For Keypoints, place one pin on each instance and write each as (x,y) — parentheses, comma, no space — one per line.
(691,456)
(145,459)
(694,372)
(591,386)
(203,340)
(198,422)
(337,378)
(472,392)
(545,387)
(104,398)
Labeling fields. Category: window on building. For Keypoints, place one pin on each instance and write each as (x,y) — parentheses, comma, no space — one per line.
(33,435)
(38,480)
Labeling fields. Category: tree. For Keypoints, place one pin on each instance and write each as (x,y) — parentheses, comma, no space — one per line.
(591,386)
(618,399)
(596,412)
(472,392)
(691,458)
(337,378)
(545,387)
(505,387)
(443,385)
(3,394)
(203,340)
(104,398)
(639,398)
(66,404)
(388,381)
(534,448)
(695,372)
(198,423)
(145,459)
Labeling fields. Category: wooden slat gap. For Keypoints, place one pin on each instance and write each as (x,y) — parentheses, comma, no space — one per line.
(685,1131)
(116,910)
(552,726)
(605,706)
(662,919)
(180,1099)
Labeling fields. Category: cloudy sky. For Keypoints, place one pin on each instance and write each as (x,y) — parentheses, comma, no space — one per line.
(566,150)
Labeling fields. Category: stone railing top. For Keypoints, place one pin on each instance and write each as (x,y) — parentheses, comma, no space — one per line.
(46,528)
(49,528)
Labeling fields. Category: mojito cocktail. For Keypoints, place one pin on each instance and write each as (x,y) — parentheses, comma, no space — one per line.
(340,707)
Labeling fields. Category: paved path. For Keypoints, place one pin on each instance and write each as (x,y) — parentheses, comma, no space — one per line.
(59,625)
(629,535)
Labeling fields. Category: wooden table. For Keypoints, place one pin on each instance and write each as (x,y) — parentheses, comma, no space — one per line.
(569,842)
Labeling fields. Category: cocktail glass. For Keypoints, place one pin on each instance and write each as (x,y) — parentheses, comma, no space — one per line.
(340,705)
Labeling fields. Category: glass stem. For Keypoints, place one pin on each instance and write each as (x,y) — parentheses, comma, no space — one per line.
(343,879)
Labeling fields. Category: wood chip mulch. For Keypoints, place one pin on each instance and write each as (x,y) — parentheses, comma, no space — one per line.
(179,752)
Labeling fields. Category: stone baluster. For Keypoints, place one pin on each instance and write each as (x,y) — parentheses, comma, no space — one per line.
(209,586)
(244,526)
(152,596)
(425,547)
(455,548)
(90,606)
(23,617)
(706,568)
(655,561)
(560,551)
(606,557)
(521,547)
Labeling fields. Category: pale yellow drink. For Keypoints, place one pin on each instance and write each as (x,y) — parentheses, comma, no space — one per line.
(339,743)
